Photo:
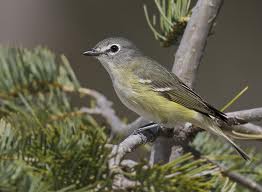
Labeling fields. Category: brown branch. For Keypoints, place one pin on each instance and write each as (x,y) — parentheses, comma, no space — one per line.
(192,45)
(188,58)
(248,115)
(181,135)
(248,128)
(104,108)
(242,180)
(135,140)
(126,146)
(238,178)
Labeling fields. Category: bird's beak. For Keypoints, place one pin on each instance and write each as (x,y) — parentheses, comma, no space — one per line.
(93,52)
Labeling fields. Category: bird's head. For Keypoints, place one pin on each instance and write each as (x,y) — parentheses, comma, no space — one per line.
(114,52)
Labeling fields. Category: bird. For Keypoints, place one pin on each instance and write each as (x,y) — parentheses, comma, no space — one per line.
(150,90)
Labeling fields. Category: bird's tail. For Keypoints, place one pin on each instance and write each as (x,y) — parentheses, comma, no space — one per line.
(216,130)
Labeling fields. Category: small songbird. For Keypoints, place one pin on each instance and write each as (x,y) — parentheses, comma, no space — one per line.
(150,90)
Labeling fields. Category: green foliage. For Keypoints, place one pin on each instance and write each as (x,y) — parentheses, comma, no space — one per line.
(39,151)
(47,144)
(224,154)
(173,17)
(183,174)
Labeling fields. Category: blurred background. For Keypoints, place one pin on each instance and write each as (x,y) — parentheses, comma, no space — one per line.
(232,59)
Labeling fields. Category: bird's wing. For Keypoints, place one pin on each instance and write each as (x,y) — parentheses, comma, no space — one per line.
(171,87)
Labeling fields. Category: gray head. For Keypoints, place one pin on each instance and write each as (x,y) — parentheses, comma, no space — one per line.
(114,52)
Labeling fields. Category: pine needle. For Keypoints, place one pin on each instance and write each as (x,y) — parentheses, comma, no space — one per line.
(234,99)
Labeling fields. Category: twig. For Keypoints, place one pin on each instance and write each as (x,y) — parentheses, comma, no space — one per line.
(104,108)
(128,163)
(126,146)
(242,180)
(135,140)
(122,183)
(248,128)
(236,177)
(132,142)
(248,115)
(181,135)
(192,45)
(189,55)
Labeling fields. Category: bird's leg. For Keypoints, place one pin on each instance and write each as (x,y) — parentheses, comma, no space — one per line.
(151,126)
(150,130)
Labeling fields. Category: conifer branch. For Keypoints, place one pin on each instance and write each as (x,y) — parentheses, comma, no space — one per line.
(190,51)
(189,54)
(242,180)
(71,151)
(126,146)
(234,176)
(135,140)
(184,133)
(249,115)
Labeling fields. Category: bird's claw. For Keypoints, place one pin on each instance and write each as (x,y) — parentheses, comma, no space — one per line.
(151,129)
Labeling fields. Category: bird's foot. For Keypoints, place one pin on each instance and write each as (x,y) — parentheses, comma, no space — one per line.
(150,128)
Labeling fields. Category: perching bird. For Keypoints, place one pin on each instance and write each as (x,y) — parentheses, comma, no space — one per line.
(150,90)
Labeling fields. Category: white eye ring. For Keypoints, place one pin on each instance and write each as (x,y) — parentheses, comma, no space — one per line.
(114,49)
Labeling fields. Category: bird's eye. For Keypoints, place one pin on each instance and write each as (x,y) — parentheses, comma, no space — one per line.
(114,48)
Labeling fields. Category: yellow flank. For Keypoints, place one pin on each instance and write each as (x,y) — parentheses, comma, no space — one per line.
(162,109)
(150,104)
